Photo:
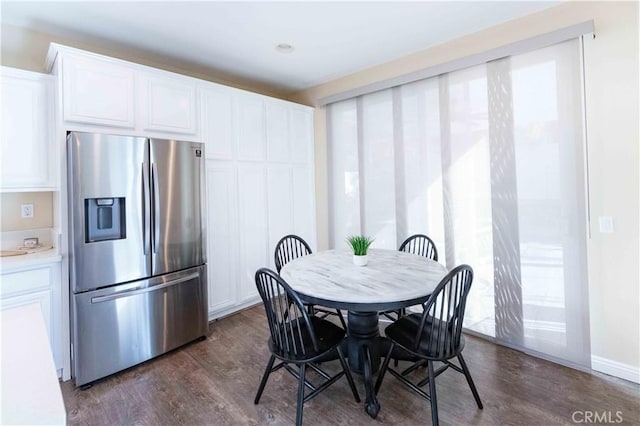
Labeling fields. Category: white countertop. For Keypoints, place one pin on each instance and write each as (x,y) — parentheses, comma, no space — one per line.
(26,261)
(29,388)
(390,276)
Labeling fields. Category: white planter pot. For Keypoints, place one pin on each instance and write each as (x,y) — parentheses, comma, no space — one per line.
(360,260)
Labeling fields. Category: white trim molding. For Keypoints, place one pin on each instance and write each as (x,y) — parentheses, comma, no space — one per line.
(615,368)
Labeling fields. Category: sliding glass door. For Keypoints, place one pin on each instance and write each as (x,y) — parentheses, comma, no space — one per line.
(489,162)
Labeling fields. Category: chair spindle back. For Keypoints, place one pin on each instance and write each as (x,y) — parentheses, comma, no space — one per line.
(288,248)
(444,312)
(289,323)
(421,245)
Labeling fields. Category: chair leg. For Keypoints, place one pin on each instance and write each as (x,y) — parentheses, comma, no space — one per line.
(467,374)
(347,372)
(432,394)
(383,368)
(344,324)
(265,377)
(303,368)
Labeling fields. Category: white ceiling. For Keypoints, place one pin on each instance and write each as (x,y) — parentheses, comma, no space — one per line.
(330,39)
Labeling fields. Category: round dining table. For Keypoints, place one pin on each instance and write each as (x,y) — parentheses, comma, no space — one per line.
(391,280)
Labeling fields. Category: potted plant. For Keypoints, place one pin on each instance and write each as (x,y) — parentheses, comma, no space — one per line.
(360,244)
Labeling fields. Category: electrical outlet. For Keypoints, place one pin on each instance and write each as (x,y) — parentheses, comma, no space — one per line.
(27,211)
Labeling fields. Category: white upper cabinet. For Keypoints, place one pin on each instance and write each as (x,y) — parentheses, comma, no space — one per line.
(27,136)
(104,94)
(301,121)
(171,104)
(249,115)
(97,92)
(277,132)
(216,105)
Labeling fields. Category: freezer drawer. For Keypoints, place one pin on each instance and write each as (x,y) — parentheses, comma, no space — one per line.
(118,327)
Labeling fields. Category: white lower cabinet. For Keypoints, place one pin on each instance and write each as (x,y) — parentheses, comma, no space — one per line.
(222,241)
(250,206)
(40,285)
(253,235)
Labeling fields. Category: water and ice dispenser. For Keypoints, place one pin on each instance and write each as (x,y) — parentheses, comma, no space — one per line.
(104,219)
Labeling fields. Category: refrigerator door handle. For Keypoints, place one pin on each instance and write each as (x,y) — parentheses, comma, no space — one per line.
(156,206)
(99,299)
(146,207)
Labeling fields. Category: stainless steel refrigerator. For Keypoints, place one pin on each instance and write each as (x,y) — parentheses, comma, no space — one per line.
(137,251)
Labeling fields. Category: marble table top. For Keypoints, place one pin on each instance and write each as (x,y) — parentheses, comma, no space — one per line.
(390,276)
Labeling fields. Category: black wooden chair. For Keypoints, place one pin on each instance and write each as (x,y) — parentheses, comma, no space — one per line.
(298,338)
(421,245)
(291,247)
(434,335)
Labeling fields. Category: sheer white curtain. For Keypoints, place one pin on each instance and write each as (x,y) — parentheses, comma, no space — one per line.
(488,161)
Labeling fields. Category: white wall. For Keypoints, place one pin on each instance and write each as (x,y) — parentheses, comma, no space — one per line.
(611,68)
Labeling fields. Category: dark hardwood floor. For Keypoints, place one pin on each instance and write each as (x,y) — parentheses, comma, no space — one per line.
(213,382)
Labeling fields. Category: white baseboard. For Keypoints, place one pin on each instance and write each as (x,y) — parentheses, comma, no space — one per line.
(221,313)
(615,368)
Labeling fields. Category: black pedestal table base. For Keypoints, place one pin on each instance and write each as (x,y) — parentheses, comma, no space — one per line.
(364,347)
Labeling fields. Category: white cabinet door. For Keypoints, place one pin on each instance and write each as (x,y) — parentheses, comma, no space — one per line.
(171,104)
(277,132)
(222,240)
(281,215)
(217,123)
(253,231)
(97,92)
(36,286)
(27,137)
(250,126)
(301,135)
(303,203)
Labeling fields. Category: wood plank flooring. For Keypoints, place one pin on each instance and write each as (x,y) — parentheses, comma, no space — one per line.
(213,382)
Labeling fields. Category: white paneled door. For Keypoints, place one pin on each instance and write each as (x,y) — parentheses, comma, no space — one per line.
(250,127)
(222,245)
(26,140)
(97,92)
(217,122)
(253,230)
(171,104)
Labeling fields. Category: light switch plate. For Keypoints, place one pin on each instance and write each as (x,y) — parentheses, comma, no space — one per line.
(606,224)
(26,211)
